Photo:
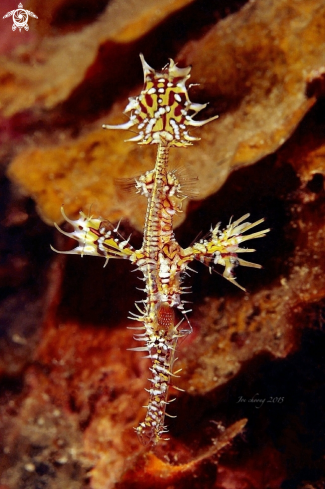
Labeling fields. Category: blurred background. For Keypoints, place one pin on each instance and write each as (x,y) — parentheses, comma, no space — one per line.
(250,416)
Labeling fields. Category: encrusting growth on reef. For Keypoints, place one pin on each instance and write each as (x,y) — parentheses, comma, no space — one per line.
(161,115)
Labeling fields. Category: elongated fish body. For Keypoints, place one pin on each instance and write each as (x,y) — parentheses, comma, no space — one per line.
(162,114)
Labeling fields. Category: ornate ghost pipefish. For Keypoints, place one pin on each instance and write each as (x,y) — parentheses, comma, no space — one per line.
(162,114)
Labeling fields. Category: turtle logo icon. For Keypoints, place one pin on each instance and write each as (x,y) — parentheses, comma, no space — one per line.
(20,18)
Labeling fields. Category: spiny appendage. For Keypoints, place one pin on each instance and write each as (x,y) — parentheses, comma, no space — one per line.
(223,246)
(144,184)
(96,237)
(177,188)
(161,340)
(163,110)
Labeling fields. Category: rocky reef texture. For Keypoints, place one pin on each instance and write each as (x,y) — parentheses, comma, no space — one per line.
(235,68)
(251,414)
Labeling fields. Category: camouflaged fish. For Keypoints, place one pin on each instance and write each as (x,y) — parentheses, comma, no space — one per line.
(163,114)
